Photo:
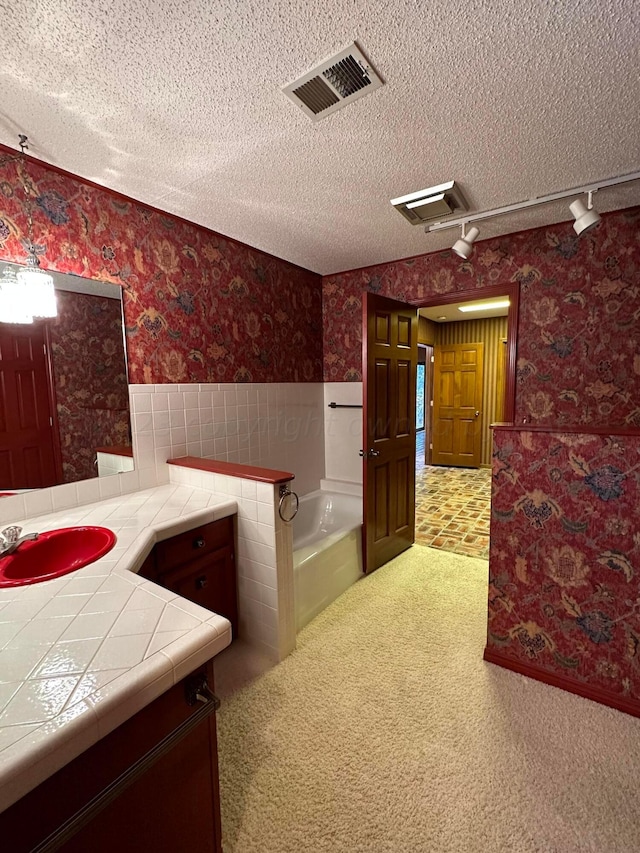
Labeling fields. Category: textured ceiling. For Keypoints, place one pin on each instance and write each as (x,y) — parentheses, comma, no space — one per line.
(178,103)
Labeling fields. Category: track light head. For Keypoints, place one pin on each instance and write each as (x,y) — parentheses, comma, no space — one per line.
(586,217)
(464,246)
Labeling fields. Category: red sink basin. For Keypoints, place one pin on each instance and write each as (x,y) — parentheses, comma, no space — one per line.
(55,553)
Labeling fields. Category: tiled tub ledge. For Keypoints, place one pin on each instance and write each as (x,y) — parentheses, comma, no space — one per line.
(82,653)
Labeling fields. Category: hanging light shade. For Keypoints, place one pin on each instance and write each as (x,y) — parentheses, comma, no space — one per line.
(39,285)
(15,300)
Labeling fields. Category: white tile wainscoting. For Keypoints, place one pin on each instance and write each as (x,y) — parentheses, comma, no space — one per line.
(278,425)
(273,425)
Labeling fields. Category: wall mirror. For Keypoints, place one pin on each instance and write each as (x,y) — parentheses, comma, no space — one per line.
(64,397)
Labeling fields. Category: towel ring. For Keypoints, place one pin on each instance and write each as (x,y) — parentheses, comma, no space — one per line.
(285,492)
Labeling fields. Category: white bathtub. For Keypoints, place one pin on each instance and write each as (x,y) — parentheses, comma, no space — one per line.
(327,551)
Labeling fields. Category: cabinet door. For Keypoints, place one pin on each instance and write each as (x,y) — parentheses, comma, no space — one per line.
(208,581)
(193,544)
(171,807)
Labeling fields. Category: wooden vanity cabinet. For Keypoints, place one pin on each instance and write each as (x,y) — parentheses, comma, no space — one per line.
(199,565)
(171,805)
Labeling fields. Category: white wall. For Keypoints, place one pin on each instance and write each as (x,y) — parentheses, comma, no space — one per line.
(343,432)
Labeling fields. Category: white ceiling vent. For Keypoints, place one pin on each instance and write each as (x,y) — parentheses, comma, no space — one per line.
(333,84)
(432,203)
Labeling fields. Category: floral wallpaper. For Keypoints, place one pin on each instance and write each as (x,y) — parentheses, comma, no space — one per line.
(565,556)
(92,396)
(578,353)
(199,307)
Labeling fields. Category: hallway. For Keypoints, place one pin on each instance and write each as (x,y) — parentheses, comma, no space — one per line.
(453,506)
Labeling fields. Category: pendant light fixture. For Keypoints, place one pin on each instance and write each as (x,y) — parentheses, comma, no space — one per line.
(14,306)
(38,284)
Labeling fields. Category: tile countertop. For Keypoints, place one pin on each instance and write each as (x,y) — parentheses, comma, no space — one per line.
(82,653)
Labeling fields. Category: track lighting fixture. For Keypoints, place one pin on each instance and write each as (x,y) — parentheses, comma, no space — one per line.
(464,246)
(586,217)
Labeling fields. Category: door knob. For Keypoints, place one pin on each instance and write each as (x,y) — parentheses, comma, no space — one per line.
(477,413)
(374,453)
(369,454)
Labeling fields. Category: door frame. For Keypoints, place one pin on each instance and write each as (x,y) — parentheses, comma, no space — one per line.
(53,403)
(512,290)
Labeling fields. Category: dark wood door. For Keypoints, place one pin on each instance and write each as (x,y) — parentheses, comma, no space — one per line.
(390,344)
(28,441)
(457,405)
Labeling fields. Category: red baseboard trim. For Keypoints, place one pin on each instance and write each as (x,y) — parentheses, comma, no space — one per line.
(596,694)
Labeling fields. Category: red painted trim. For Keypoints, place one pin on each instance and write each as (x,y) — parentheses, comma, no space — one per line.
(512,290)
(233,469)
(595,694)
(127,198)
(116,450)
(569,430)
(367,392)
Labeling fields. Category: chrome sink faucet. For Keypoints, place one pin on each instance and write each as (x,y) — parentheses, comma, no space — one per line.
(10,539)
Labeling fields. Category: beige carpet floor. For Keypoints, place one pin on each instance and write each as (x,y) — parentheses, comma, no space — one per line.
(386,732)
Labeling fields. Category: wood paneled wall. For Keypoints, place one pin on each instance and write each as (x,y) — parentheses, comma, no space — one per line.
(491,332)
(427,331)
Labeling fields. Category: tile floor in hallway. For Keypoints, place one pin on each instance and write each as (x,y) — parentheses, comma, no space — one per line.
(453,507)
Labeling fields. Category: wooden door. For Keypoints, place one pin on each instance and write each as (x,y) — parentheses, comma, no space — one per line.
(457,405)
(390,355)
(29,455)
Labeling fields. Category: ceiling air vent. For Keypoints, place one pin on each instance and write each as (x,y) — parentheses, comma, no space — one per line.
(431,204)
(333,84)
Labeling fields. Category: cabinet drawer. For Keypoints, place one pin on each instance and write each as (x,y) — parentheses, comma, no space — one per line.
(209,581)
(193,544)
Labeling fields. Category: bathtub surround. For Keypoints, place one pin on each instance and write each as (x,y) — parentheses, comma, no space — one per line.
(342,434)
(456,755)
(264,561)
(327,551)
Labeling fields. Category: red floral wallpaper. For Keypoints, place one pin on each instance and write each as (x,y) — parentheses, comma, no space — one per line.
(578,349)
(92,397)
(198,307)
(565,556)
